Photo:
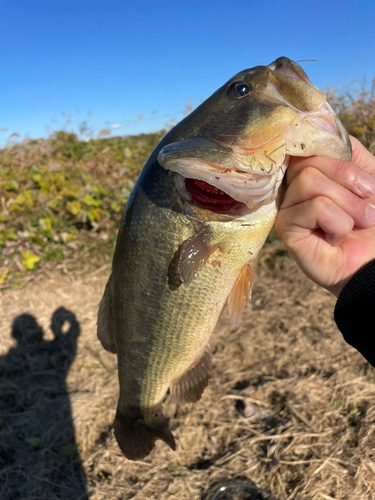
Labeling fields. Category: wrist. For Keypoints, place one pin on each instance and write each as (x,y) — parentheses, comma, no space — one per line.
(338,287)
(359,283)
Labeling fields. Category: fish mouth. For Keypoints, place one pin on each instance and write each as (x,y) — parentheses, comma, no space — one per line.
(224,179)
(226,192)
(211,198)
(231,191)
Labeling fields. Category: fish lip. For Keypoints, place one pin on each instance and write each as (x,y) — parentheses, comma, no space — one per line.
(325,118)
(289,69)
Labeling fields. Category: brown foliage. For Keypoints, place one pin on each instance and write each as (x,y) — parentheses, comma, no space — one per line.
(290,406)
(356,109)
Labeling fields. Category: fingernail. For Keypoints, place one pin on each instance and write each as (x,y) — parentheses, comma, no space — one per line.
(365,184)
(370,213)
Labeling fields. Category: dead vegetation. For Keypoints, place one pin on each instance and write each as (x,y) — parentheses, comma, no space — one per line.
(355,105)
(290,407)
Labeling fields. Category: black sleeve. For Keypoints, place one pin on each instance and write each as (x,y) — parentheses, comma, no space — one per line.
(355,311)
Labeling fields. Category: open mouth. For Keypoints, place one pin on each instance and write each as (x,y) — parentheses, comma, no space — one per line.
(210,197)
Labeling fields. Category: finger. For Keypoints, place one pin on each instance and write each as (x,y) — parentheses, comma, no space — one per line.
(311,182)
(345,173)
(362,157)
(319,213)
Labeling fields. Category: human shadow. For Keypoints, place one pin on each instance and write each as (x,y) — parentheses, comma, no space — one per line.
(38,451)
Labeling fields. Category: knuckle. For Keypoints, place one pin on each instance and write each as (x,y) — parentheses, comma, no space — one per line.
(321,202)
(309,175)
(345,171)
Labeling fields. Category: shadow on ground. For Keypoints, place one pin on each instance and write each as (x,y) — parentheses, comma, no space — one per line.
(38,451)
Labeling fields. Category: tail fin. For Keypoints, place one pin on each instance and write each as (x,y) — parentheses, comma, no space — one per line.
(136,439)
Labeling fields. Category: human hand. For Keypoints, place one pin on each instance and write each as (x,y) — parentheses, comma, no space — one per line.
(327,217)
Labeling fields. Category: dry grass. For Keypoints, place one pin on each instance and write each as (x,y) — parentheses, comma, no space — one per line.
(355,106)
(290,407)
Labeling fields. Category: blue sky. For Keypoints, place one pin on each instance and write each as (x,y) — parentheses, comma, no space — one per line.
(114,60)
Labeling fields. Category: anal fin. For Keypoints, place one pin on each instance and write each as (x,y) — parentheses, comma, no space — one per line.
(105,332)
(194,254)
(190,386)
(240,294)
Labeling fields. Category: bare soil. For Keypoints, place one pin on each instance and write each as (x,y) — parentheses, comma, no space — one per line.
(290,406)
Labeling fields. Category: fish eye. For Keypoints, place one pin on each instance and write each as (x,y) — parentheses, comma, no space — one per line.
(239,89)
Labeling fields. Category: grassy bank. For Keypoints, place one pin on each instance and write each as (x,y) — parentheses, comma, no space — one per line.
(62,197)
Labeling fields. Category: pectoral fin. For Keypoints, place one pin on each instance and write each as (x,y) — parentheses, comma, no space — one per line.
(190,386)
(104,331)
(240,294)
(194,255)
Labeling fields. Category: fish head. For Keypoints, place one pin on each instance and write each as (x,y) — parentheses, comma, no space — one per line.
(230,154)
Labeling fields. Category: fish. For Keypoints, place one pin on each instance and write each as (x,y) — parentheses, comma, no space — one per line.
(195,221)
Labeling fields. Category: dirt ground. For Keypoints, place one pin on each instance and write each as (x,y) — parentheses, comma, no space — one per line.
(290,407)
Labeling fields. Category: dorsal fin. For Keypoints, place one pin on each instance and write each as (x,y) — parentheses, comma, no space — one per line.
(105,332)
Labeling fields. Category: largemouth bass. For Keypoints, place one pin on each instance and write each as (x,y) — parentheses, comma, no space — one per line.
(194,224)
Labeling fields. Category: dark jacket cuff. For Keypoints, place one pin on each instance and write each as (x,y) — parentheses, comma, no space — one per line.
(355,311)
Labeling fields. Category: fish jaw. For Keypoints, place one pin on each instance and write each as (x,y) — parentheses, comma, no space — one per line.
(319,135)
(317,131)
